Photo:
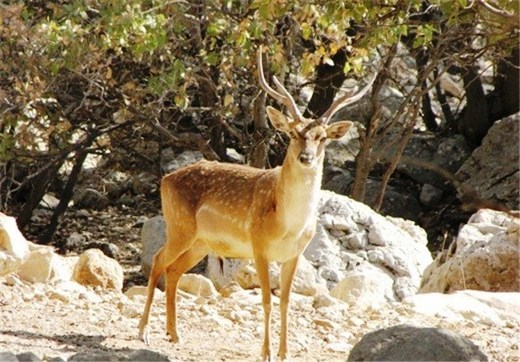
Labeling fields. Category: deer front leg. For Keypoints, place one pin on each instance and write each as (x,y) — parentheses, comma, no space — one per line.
(262,270)
(288,271)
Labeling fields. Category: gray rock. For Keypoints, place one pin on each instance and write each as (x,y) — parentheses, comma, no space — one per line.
(28,357)
(430,195)
(409,343)
(8,357)
(171,162)
(153,237)
(493,168)
(91,199)
(134,356)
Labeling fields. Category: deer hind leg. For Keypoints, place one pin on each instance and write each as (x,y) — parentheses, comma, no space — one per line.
(288,271)
(177,242)
(158,267)
(174,271)
(262,270)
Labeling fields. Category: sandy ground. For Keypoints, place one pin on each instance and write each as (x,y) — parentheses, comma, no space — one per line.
(61,319)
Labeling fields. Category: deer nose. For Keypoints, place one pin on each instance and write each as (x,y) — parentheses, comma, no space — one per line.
(306,158)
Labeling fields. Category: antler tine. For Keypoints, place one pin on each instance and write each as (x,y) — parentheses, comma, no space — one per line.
(346,100)
(291,103)
(284,97)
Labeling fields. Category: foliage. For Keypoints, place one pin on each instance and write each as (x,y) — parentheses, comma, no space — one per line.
(106,76)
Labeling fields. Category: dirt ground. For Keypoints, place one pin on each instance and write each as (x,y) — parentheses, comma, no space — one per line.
(58,319)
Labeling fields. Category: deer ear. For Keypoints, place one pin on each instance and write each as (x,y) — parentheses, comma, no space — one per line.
(279,120)
(338,129)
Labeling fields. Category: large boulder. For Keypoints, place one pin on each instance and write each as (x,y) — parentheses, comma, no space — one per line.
(411,343)
(358,251)
(484,256)
(96,269)
(14,248)
(492,170)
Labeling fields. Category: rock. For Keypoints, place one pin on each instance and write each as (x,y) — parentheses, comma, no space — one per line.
(354,240)
(28,357)
(13,246)
(430,195)
(134,356)
(49,202)
(448,153)
(305,281)
(109,249)
(144,183)
(487,308)
(337,180)
(484,256)
(153,237)
(492,170)
(43,264)
(8,357)
(410,343)
(197,285)
(96,269)
(171,162)
(371,287)
(91,199)
(38,266)
(75,241)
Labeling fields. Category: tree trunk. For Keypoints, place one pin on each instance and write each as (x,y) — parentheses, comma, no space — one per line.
(65,198)
(475,122)
(329,78)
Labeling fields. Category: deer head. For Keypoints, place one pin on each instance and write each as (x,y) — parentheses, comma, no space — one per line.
(308,135)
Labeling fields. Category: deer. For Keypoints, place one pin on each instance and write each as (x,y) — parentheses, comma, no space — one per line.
(237,211)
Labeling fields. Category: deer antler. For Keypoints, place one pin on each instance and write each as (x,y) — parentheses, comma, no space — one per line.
(283,97)
(345,100)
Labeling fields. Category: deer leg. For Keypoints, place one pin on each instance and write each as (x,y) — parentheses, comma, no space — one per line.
(173,274)
(158,267)
(288,271)
(262,270)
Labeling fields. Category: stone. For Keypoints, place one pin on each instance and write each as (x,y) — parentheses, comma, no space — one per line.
(410,343)
(38,265)
(371,287)
(197,285)
(430,195)
(492,170)
(484,256)
(91,199)
(153,237)
(171,162)
(96,269)
(28,357)
(8,357)
(486,308)
(378,249)
(14,248)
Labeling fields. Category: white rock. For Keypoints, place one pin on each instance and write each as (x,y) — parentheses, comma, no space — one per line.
(13,246)
(372,287)
(198,285)
(484,256)
(482,307)
(96,269)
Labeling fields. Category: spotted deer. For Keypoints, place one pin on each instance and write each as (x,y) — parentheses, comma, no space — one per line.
(238,211)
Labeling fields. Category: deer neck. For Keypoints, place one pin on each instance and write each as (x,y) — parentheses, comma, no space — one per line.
(298,191)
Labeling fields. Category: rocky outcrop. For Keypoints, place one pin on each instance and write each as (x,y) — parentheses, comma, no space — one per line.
(493,168)
(365,258)
(96,269)
(484,256)
(411,343)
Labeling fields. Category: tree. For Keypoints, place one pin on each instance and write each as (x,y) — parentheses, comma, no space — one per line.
(125,79)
